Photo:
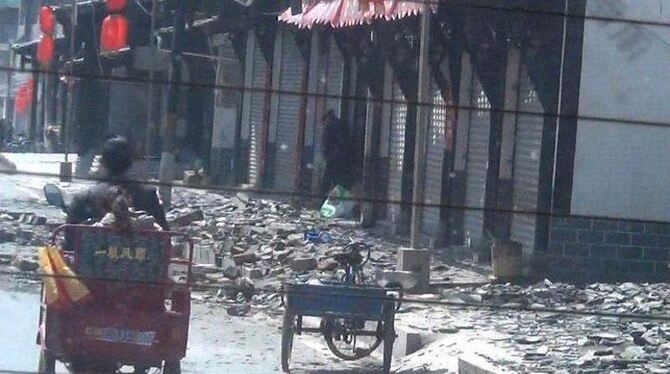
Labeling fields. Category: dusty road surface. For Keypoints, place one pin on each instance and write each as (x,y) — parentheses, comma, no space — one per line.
(218,343)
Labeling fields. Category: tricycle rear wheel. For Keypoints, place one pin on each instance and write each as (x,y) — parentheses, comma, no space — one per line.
(47,364)
(354,345)
(287,332)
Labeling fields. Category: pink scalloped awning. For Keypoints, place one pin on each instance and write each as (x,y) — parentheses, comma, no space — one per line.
(342,13)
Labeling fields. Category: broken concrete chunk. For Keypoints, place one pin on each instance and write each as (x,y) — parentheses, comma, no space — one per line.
(304,264)
(245,258)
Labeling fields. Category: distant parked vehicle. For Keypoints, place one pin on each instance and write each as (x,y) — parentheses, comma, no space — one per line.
(20,144)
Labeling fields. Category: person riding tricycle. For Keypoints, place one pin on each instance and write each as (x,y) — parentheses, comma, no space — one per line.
(109,296)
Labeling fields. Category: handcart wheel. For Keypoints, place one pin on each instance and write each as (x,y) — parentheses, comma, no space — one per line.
(389,339)
(343,338)
(287,332)
(172,367)
(47,363)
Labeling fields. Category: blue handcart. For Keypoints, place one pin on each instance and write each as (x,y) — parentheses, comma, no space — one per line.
(355,317)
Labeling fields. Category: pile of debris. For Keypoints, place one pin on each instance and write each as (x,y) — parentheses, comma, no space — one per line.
(624,298)
(262,242)
(19,231)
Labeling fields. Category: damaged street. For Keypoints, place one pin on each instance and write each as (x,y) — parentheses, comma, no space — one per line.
(246,246)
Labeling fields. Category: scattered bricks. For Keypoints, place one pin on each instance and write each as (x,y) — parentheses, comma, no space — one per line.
(6,217)
(605,225)
(618,238)
(245,258)
(26,218)
(563,235)
(471,363)
(303,264)
(295,240)
(417,261)
(26,235)
(590,237)
(6,236)
(629,253)
(631,226)
(284,256)
(254,273)
(6,258)
(186,218)
(645,240)
(328,264)
(38,221)
(238,310)
(277,271)
(26,264)
(406,343)
(656,254)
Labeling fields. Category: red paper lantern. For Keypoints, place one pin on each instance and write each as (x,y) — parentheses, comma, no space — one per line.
(115,6)
(23,97)
(47,20)
(45,49)
(114,34)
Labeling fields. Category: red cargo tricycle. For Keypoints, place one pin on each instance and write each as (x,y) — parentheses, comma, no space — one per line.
(137,310)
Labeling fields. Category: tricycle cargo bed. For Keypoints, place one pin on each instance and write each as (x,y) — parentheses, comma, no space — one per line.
(338,300)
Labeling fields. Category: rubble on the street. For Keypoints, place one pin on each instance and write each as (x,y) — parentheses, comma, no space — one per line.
(246,247)
(551,342)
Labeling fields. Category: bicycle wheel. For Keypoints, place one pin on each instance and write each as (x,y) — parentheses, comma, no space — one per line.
(287,332)
(345,339)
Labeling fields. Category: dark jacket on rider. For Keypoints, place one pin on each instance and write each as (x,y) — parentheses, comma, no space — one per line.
(84,204)
(116,159)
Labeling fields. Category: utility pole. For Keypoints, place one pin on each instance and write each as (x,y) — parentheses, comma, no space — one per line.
(66,166)
(9,85)
(168,144)
(422,114)
(150,90)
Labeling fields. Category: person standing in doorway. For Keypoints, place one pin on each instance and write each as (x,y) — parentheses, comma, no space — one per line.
(337,152)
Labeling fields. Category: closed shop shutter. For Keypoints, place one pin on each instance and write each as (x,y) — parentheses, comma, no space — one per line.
(476,165)
(396,151)
(334,78)
(332,70)
(434,161)
(288,115)
(525,178)
(256,109)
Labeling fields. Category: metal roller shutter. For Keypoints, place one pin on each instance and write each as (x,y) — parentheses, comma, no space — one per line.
(434,161)
(333,71)
(477,164)
(396,151)
(525,178)
(257,106)
(288,116)
(334,78)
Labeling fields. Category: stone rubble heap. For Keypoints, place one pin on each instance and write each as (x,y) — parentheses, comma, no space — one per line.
(261,242)
(555,342)
(21,230)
